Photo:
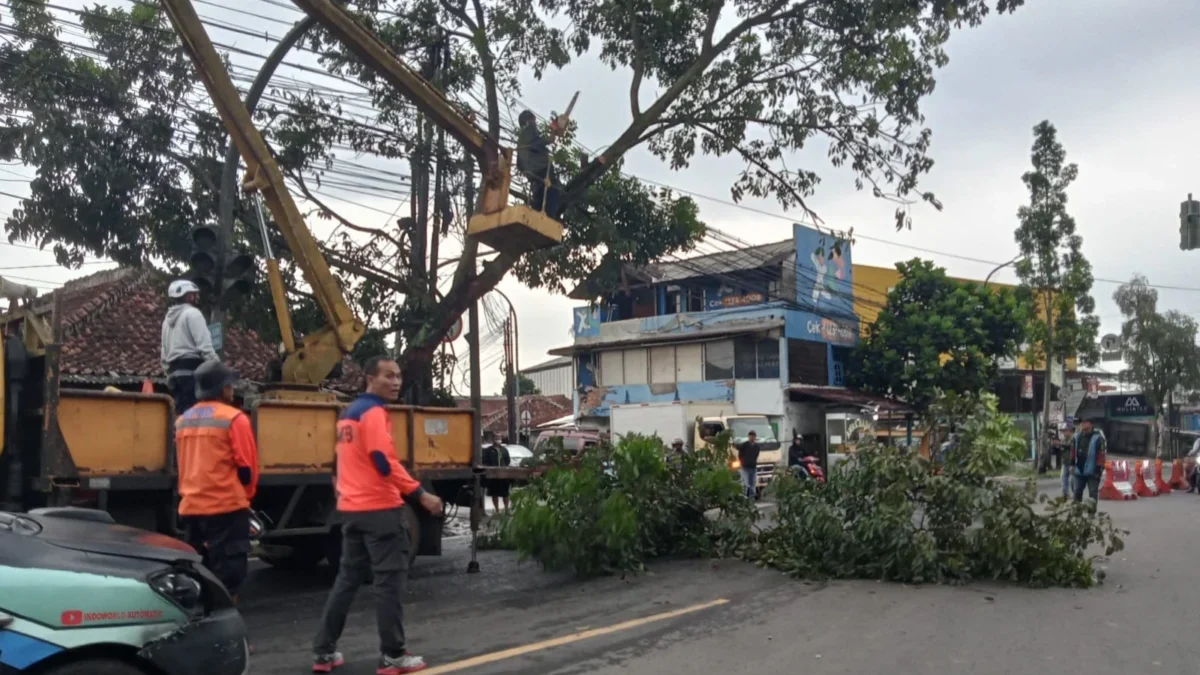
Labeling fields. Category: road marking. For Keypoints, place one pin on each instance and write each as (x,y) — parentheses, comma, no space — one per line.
(485,659)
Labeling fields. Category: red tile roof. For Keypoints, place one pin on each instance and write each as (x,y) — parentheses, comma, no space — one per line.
(542,409)
(112,329)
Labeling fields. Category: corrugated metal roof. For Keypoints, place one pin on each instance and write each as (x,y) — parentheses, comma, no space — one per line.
(557,362)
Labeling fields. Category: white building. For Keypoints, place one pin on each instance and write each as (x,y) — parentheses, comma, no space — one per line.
(555,377)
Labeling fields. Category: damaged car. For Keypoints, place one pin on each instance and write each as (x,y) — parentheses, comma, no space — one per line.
(80,595)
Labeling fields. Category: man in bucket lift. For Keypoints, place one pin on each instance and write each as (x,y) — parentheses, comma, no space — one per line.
(533,160)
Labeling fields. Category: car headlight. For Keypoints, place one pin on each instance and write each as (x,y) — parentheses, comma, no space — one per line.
(180,588)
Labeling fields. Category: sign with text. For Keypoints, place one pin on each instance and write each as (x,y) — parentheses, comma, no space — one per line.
(1027,387)
(835,332)
(1129,405)
(1057,412)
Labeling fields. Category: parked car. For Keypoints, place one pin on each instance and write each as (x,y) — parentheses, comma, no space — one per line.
(517,454)
(574,440)
(80,595)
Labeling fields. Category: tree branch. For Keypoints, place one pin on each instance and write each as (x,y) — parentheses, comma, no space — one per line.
(714,15)
(488,63)
(764,167)
(639,59)
(588,174)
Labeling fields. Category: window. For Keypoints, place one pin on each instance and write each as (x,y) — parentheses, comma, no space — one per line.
(807,362)
(695,300)
(710,430)
(636,368)
(768,359)
(689,363)
(839,374)
(756,358)
(612,369)
(745,356)
(718,360)
(662,365)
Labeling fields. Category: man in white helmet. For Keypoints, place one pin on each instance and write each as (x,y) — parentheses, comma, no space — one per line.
(186,343)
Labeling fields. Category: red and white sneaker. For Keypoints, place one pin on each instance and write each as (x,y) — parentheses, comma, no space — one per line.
(399,665)
(325,663)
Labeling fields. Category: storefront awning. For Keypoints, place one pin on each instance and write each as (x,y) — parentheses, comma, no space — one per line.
(848,397)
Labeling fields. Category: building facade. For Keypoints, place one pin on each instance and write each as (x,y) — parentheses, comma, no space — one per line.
(735,327)
(555,377)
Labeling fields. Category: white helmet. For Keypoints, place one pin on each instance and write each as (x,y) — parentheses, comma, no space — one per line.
(180,288)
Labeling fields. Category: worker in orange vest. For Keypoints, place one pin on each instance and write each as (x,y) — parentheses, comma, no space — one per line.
(371,487)
(218,475)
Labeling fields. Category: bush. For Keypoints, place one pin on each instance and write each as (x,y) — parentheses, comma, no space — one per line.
(891,515)
(612,509)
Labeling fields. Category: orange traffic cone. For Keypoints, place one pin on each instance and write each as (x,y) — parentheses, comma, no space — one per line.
(1178,480)
(147,386)
(1161,485)
(1140,486)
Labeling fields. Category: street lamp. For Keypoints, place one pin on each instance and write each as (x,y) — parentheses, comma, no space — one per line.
(1000,267)
(514,411)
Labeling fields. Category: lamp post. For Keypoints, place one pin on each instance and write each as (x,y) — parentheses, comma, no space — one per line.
(999,267)
(514,372)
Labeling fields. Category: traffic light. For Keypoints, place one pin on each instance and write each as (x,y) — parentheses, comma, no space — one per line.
(239,275)
(1189,224)
(204,257)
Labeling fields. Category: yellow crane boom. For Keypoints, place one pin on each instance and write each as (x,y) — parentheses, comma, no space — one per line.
(310,362)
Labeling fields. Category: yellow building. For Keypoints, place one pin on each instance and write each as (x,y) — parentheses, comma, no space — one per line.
(871,286)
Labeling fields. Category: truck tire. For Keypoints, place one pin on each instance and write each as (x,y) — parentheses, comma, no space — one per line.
(96,667)
(307,552)
(412,523)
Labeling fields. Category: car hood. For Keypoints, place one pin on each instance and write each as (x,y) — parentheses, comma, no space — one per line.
(114,540)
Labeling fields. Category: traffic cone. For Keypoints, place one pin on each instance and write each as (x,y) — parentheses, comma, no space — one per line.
(1161,485)
(1140,486)
(147,386)
(1178,480)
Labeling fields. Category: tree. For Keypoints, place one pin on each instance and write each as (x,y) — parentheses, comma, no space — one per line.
(1159,348)
(1053,269)
(526,386)
(937,335)
(757,81)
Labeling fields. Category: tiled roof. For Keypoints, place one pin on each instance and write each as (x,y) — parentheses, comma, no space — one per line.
(542,409)
(112,329)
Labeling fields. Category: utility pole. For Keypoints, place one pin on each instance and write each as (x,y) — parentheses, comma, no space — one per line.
(510,380)
(476,392)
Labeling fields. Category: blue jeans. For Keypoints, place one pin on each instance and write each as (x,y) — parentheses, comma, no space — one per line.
(749,480)
(1068,470)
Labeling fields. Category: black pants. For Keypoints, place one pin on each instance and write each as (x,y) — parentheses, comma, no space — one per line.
(224,542)
(374,547)
(182,383)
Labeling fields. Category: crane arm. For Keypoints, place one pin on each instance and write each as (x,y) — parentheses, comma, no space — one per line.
(312,361)
(379,57)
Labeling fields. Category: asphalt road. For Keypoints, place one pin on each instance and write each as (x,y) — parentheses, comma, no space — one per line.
(699,616)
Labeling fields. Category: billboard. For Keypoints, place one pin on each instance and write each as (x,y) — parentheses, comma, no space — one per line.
(824,273)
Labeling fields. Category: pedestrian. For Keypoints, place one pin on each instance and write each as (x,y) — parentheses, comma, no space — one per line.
(534,161)
(217,461)
(1194,479)
(498,488)
(677,447)
(748,457)
(371,487)
(186,343)
(1087,454)
(1064,461)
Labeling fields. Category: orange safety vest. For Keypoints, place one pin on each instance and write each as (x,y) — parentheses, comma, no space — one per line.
(208,479)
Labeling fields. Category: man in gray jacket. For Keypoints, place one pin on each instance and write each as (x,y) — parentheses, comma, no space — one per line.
(186,343)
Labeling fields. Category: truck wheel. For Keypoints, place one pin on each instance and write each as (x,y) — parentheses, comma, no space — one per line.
(96,667)
(307,553)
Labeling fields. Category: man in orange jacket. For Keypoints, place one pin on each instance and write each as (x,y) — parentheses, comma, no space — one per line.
(371,486)
(218,475)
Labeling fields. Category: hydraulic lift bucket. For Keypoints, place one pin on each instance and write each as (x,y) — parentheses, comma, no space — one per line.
(515,229)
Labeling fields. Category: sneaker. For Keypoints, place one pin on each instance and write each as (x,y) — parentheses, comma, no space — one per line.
(398,665)
(325,663)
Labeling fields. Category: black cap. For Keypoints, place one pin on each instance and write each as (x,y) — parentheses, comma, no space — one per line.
(211,379)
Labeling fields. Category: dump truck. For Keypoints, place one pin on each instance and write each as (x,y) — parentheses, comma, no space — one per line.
(115,450)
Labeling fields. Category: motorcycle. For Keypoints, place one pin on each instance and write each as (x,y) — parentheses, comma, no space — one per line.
(808,468)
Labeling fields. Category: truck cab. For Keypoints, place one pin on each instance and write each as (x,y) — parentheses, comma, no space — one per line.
(740,426)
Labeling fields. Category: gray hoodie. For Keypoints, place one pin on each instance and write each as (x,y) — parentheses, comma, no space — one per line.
(185,335)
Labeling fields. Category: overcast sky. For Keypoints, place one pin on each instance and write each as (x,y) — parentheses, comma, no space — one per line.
(1117,77)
